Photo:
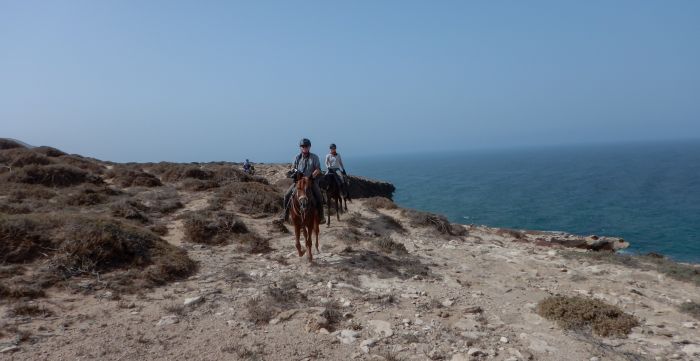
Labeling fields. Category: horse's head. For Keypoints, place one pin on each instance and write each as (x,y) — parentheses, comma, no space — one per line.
(303,184)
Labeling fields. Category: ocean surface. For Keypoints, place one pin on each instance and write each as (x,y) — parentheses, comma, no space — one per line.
(646,193)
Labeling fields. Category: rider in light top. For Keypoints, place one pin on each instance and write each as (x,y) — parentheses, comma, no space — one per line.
(335,163)
(309,165)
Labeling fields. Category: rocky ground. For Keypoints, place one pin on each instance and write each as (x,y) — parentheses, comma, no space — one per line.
(381,288)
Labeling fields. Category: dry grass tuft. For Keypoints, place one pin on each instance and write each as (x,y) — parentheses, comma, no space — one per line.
(32,310)
(418,219)
(380,203)
(212,227)
(388,245)
(580,313)
(260,309)
(691,308)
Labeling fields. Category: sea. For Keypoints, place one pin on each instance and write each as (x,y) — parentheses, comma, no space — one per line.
(646,193)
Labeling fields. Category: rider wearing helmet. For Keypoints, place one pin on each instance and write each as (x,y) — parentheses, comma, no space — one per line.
(247,166)
(309,165)
(335,163)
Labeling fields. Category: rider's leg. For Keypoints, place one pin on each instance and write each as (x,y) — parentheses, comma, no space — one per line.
(319,200)
(287,197)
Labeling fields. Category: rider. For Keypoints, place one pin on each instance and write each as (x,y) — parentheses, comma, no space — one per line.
(335,163)
(247,166)
(309,165)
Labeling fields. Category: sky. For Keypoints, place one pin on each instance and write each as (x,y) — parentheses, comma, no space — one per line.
(229,80)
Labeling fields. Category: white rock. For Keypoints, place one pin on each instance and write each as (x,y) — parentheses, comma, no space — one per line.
(347,304)
(418,322)
(348,336)
(692,349)
(367,344)
(329,284)
(193,300)
(594,358)
(690,325)
(168,320)
(447,303)
(459,357)
(323,331)
(504,340)
(551,253)
(381,328)
(231,323)
(10,349)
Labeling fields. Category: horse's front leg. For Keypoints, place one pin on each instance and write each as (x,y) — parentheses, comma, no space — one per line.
(307,235)
(337,212)
(328,203)
(297,233)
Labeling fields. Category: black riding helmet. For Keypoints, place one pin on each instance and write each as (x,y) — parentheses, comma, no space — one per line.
(332,146)
(304,142)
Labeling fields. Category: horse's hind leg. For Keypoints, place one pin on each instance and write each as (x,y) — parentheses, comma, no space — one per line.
(316,231)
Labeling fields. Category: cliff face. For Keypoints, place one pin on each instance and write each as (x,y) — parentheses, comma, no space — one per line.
(200,268)
(362,187)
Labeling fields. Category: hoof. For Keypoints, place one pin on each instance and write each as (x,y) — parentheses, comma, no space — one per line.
(301,253)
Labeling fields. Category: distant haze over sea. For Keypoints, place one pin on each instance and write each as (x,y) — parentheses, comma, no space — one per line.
(647,193)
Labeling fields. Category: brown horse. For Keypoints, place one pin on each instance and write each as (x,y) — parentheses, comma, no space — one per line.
(304,215)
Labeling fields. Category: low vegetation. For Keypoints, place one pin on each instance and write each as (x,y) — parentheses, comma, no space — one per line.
(380,203)
(584,314)
(691,308)
(212,227)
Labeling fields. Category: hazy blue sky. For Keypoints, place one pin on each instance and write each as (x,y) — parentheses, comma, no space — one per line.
(225,80)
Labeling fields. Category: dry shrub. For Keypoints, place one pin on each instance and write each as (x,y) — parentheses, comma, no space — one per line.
(6,143)
(510,233)
(49,151)
(130,209)
(89,195)
(380,203)
(253,198)
(691,308)
(79,244)
(132,177)
(260,309)
(160,229)
(197,185)
(20,157)
(354,220)
(32,310)
(581,313)
(87,164)
(178,172)
(229,174)
(20,192)
(20,291)
(212,227)
(384,225)
(14,209)
(277,226)
(55,175)
(253,243)
(24,237)
(424,219)
(388,245)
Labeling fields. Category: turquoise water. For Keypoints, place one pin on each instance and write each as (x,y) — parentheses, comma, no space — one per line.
(648,194)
